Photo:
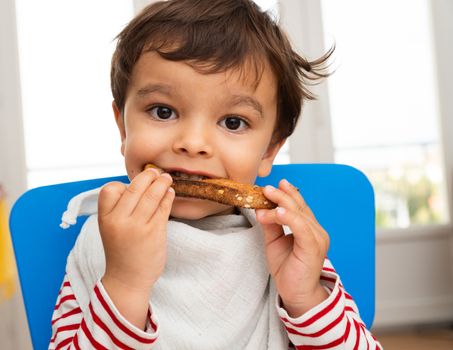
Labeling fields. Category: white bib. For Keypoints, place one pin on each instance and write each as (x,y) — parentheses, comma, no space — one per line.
(215,291)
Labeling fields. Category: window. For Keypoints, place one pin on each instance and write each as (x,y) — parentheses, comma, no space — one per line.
(65,50)
(384,106)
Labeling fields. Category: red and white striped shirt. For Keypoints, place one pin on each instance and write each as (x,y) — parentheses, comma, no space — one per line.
(333,324)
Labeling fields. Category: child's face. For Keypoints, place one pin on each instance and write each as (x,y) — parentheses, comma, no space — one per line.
(216,125)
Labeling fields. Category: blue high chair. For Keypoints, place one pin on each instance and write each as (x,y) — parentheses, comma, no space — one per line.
(340,196)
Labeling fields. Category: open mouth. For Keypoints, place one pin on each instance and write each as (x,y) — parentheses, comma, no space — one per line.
(183,176)
(179,175)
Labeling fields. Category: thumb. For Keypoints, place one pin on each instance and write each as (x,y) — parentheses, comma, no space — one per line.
(109,196)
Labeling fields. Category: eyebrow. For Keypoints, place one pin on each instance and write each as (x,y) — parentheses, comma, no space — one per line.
(150,88)
(236,100)
(248,101)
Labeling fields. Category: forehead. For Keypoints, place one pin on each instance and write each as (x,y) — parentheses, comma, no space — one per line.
(252,77)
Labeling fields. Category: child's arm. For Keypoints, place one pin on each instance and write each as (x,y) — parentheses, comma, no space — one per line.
(101,327)
(296,262)
(132,223)
(335,323)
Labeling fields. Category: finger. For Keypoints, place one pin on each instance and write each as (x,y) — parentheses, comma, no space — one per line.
(281,216)
(135,190)
(271,229)
(109,197)
(269,216)
(321,235)
(305,222)
(152,197)
(294,193)
(304,233)
(280,197)
(266,216)
(163,210)
(287,196)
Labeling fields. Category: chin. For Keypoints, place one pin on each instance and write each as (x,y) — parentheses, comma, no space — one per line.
(195,209)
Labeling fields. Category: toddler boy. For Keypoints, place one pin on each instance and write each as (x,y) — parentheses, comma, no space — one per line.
(207,89)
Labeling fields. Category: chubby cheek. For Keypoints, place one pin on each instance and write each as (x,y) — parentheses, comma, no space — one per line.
(243,165)
(138,151)
(131,165)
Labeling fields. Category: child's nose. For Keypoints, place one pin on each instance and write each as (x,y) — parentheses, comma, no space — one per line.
(193,141)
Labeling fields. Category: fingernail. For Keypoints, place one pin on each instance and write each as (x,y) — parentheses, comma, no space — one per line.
(153,171)
(286,183)
(167,175)
(281,210)
(269,188)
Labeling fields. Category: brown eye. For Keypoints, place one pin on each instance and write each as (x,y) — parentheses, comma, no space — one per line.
(234,123)
(162,113)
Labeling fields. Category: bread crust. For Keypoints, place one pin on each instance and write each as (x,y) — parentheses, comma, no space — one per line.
(224,191)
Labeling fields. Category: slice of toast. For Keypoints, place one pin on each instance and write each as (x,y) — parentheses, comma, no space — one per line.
(222,191)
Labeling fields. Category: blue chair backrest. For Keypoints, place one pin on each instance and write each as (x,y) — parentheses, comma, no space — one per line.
(340,196)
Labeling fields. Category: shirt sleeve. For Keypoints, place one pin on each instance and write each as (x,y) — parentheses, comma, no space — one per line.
(333,324)
(101,327)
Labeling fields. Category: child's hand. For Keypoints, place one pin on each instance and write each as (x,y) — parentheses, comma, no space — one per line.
(295,261)
(132,221)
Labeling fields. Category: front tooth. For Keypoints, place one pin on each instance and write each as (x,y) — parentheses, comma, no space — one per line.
(195,177)
(184,176)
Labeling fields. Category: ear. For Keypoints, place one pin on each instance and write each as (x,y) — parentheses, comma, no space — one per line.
(119,119)
(265,166)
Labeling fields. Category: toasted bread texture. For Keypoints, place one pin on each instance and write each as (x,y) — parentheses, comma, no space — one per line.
(222,191)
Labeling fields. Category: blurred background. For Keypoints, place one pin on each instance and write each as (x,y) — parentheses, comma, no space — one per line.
(386,110)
